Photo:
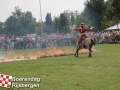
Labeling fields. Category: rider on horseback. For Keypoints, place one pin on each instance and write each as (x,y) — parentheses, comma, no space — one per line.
(82,32)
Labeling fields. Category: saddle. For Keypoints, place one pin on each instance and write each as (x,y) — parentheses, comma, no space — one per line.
(80,41)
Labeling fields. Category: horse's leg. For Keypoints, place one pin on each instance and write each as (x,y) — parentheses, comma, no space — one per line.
(90,50)
(77,46)
(76,53)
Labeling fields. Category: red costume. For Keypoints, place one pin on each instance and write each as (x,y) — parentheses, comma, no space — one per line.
(82,31)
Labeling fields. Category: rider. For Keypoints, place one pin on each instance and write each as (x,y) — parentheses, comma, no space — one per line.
(82,32)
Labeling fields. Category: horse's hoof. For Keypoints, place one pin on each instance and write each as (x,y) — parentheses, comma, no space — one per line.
(76,56)
(89,56)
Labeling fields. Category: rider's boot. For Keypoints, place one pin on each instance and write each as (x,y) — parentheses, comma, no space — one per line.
(80,45)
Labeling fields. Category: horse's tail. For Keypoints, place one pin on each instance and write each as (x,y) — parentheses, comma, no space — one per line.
(93,42)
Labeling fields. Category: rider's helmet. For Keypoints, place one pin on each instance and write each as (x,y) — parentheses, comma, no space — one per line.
(82,24)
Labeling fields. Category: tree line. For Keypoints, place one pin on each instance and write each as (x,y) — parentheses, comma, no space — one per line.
(97,13)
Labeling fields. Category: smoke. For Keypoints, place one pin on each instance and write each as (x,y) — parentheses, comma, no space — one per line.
(2,57)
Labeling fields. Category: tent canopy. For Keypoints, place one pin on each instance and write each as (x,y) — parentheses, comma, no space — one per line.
(113,27)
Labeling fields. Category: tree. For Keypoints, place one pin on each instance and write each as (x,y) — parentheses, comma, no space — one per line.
(2,30)
(70,17)
(72,20)
(94,11)
(56,21)
(48,22)
(10,26)
(116,10)
(63,24)
(67,14)
(108,15)
(80,18)
(28,20)
(19,23)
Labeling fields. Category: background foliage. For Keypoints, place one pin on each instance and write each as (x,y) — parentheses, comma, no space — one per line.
(97,13)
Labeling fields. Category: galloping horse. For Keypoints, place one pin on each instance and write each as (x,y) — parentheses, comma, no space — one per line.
(86,43)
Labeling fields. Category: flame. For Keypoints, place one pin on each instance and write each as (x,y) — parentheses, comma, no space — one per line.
(83,51)
(50,52)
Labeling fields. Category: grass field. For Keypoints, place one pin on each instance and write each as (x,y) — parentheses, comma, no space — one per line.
(101,72)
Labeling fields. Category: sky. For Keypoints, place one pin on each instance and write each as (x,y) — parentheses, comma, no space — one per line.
(55,7)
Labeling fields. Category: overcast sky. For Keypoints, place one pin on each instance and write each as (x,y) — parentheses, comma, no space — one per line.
(55,7)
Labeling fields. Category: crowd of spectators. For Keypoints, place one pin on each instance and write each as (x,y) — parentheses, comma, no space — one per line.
(112,36)
(36,41)
(54,39)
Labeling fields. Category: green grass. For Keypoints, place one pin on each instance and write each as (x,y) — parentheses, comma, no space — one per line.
(101,72)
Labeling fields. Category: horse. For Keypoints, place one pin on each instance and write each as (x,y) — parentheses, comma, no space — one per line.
(86,43)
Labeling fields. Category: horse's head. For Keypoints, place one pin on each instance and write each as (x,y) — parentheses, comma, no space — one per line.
(93,42)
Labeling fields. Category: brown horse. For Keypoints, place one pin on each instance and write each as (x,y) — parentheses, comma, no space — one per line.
(86,43)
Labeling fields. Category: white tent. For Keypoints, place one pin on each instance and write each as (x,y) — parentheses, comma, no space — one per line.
(113,27)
